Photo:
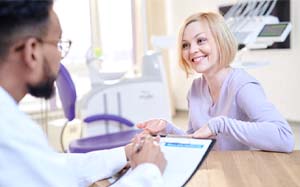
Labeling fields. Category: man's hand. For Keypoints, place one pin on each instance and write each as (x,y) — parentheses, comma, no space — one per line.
(145,149)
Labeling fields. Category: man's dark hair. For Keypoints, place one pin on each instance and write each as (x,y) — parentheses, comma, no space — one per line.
(22,18)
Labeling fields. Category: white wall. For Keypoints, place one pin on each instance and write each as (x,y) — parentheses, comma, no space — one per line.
(280,79)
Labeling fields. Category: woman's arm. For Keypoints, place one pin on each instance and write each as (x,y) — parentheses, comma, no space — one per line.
(266,128)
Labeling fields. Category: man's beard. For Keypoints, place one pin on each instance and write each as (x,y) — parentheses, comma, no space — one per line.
(45,89)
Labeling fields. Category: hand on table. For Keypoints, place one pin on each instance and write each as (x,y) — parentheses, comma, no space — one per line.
(155,126)
(203,132)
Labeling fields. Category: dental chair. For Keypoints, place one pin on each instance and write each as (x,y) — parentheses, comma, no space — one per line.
(67,94)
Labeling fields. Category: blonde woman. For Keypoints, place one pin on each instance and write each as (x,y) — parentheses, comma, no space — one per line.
(225,102)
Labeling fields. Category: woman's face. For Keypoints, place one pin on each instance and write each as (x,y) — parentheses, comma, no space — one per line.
(199,48)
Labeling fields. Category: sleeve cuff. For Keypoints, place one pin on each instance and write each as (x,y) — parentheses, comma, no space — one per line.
(215,125)
(147,175)
(117,158)
(105,163)
(171,129)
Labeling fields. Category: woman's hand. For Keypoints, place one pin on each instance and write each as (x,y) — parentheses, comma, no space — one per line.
(203,132)
(153,127)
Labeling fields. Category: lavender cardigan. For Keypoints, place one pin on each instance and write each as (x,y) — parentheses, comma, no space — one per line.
(242,118)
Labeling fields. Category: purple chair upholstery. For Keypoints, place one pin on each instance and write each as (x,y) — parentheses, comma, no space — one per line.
(67,94)
(108,141)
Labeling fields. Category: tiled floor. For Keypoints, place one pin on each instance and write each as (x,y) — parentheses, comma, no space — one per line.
(181,120)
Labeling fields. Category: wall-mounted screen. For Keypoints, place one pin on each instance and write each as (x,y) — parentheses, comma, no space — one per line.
(271,30)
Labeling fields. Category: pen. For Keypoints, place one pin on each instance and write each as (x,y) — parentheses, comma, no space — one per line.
(139,146)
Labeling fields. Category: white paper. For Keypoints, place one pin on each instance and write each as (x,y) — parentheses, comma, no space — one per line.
(183,156)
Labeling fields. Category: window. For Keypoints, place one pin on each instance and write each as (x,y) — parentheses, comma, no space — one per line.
(116,33)
(75,23)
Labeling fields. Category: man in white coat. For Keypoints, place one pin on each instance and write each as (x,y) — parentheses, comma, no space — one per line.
(30,52)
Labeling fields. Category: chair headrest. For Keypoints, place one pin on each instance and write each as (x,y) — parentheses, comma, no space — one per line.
(67,92)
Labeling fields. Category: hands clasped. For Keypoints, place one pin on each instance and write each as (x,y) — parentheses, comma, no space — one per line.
(145,149)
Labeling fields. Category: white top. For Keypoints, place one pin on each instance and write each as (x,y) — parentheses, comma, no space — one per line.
(26,159)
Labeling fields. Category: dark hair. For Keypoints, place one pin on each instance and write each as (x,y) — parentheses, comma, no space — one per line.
(22,18)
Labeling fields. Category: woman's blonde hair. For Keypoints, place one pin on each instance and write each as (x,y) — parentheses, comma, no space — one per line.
(226,43)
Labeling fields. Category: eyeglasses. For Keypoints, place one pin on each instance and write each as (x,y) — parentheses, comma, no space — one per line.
(62,45)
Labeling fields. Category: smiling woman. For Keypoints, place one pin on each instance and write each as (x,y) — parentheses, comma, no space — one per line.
(209,32)
(224,103)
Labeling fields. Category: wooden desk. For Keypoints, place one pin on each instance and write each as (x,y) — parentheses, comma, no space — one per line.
(246,168)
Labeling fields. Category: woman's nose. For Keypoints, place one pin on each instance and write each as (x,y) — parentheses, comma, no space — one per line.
(194,48)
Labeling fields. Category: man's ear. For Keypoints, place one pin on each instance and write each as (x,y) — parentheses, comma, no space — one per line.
(31,52)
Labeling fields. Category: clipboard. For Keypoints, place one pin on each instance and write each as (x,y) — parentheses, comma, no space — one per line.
(184,157)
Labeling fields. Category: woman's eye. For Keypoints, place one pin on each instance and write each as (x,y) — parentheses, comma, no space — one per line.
(201,40)
(185,46)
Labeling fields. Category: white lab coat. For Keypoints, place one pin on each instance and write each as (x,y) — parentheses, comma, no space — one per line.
(26,159)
